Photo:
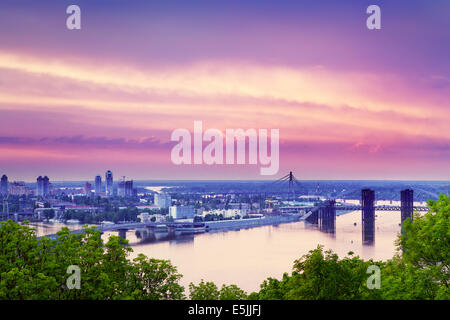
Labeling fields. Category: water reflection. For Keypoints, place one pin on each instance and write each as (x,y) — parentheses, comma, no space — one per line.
(145,236)
(328,225)
(247,257)
(368,233)
(44,228)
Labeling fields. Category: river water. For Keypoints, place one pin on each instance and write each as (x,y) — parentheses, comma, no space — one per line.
(247,257)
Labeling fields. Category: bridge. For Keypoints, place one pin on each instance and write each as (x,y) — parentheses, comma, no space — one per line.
(348,207)
(324,215)
(378,208)
(16,216)
(122,228)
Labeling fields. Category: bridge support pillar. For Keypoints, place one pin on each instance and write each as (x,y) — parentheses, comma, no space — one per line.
(407,205)
(368,216)
(123,233)
(171,230)
(327,217)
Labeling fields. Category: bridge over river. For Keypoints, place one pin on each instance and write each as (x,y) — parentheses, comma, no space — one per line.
(122,228)
(196,227)
(379,208)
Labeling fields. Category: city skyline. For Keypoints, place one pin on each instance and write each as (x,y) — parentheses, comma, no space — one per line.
(350,103)
(128,178)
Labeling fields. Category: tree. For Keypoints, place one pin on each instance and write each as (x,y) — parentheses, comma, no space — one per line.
(424,265)
(210,291)
(320,275)
(203,291)
(32,269)
(272,289)
(154,279)
(232,292)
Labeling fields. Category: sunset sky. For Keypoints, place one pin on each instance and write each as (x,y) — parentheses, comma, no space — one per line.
(350,103)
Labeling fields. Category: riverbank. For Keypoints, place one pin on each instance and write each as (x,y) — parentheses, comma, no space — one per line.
(223,225)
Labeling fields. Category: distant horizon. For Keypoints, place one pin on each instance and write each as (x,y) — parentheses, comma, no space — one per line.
(230,180)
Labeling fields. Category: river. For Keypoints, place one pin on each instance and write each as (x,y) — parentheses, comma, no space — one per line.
(249,256)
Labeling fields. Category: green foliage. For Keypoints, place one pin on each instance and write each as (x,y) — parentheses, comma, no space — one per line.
(203,291)
(114,215)
(155,280)
(402,281)
(209,291)
(320,275)
(423,271)
(272,289)
(32,269)
(232,292)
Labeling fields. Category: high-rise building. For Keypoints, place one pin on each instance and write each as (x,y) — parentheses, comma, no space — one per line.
(125,188)
(129,188)
(407,204)
(46,186)
(4,186)
(368,215)
(87,189)
(39,186)
(162,200)
(98,184)
(121,188)
(109,183)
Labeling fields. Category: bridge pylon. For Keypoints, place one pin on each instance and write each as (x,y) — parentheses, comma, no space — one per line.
(292,183)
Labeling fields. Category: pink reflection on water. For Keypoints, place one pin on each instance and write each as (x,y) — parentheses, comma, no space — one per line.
(247,257)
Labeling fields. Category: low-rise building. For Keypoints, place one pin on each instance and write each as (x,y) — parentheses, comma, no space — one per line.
(227,213)
(181,212)
(162,200)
